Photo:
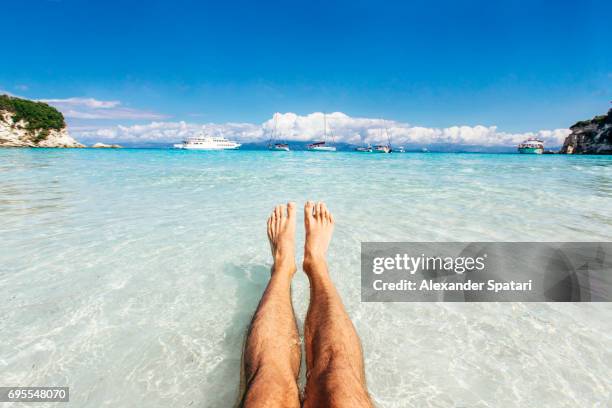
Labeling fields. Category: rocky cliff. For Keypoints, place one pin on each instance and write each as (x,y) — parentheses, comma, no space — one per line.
(25,123)
(590,136)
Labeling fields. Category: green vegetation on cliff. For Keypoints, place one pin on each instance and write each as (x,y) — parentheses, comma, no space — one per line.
(597,120)
(37,115)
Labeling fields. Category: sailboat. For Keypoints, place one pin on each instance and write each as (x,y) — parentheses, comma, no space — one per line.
(322,146)
(384,148)
(278,146)
(364,149)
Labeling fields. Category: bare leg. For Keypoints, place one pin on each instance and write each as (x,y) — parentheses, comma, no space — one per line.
(272,352)
(334,360)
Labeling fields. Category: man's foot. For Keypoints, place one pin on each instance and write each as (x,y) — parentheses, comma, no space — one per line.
(281,234)
(319,225)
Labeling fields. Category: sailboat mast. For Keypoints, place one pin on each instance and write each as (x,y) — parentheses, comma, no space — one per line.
(324,127)
(387,133)
(273,133)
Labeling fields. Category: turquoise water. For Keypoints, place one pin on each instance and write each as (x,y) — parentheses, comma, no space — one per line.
(131,275)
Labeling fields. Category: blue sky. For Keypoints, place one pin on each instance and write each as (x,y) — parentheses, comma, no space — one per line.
(517,65)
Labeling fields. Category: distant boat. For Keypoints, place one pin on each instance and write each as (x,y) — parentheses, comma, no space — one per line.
(203,142)
(384,148)
(278,146)
(531,146)
(322,146)
(381,148)
(400,149)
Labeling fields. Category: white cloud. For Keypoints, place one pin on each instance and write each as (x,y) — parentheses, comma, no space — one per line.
(83,102)
(343,128)
(120,113)
(90,108)
(166,132)
(370,130)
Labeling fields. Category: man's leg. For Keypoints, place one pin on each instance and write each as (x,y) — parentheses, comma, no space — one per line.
(335,374)
(272,352)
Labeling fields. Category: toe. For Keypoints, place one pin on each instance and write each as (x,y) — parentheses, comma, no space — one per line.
(319,210)
(283,211)
(308,209)
(279,216)
(277,212)
(324,211)
(290,209)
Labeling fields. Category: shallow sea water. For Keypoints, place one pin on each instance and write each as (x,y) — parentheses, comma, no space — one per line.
(131,275)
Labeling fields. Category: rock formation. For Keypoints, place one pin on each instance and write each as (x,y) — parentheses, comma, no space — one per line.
(25,123)
(590,136)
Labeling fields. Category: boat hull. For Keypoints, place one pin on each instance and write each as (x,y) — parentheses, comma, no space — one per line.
(279,149)
(183,147)
(322,149)
(530,150)
(203,142)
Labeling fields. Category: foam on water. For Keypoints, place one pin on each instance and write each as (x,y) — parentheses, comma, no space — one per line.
(131,275)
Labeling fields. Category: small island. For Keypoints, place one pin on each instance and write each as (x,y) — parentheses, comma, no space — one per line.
(25,123)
